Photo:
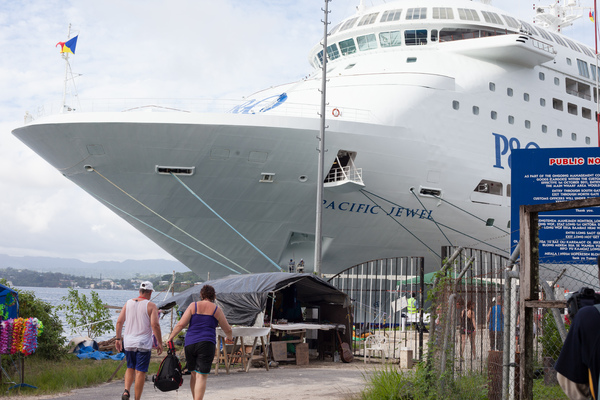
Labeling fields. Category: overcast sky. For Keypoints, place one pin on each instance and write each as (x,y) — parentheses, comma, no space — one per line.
(140,49)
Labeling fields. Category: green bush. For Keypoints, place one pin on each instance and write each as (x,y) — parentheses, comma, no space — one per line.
(86,317)
(51,343)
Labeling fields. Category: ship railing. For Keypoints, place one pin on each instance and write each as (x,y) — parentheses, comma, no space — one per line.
(344,174)
(220,106)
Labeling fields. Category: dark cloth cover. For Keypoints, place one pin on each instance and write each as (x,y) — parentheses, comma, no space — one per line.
(581,349)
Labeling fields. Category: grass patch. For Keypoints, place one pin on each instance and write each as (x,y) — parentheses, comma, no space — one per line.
(51,377)
(391,383)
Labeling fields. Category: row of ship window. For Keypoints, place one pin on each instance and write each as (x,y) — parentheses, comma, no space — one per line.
(465,14)
(511,120)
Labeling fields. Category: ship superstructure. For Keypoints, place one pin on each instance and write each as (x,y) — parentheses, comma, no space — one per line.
(425,103)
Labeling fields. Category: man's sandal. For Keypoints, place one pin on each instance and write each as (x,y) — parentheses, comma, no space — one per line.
(125,395)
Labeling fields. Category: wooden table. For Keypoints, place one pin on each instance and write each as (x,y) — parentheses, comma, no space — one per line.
(225,352)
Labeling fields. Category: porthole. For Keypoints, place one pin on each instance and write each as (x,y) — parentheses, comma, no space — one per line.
(509,92)
(492,87)
(559,132)
(494,115)
(544,128)
(511,119)
(302,178)
(569,62)
(542,102)
(526,96)
(542,76)
(574,136)
(587,140)
(475,110)
(556,81)
(455,104)
(527,124)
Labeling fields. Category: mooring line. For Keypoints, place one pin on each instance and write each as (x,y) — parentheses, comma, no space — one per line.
(166,235)
(226,223)
(170,223)
(398,222)
(434,221)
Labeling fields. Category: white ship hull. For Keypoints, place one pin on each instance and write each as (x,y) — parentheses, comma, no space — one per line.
(421,131)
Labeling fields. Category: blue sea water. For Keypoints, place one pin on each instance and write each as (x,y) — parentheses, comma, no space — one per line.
(54,296)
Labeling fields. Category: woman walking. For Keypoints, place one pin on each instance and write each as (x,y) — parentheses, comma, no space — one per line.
(467,329)
(203,318)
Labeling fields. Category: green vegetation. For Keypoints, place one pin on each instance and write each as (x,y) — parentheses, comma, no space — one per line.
(86,317)
(391,383)
(70,373)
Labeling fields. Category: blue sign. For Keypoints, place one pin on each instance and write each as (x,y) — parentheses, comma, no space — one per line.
(552,175)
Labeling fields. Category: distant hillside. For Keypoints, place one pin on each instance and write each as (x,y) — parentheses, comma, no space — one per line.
(108,269)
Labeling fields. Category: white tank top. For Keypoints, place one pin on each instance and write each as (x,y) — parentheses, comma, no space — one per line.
(138,331)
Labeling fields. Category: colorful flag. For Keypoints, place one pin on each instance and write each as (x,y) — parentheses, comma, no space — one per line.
(68,46)
(592,16)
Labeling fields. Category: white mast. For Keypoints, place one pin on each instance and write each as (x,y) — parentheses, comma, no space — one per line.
(65,56)
(321,149)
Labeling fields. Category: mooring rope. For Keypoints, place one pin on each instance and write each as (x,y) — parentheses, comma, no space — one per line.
(434,221)
(398,222)
(471,214)
(224,221)
(168,222)
(170,237)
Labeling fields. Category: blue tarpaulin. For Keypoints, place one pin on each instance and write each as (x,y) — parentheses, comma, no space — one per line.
(90,352)
(9,303)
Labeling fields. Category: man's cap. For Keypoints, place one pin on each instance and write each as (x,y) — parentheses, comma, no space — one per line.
(147,285)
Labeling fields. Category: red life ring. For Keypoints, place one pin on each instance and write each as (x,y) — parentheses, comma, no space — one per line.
(336,112)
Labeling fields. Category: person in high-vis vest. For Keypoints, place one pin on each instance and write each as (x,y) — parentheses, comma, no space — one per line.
(412,304)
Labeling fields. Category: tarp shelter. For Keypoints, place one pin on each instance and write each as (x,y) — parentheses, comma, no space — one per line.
(9,303)
(243,297)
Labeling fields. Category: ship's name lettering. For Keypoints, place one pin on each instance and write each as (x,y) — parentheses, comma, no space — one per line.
(375,210)
(503,146)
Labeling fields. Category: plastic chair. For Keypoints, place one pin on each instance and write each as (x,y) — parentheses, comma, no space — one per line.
(376,343)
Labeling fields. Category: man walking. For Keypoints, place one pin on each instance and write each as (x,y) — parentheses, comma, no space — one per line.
(141,318)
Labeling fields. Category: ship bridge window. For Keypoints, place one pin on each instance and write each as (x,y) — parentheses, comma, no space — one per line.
(442,13)
(491,17)
(593,69)
(367,42)
(544,34)
(391,15)
(573,45)
(186,171)
(333,52)
(530,29)
(558,39)
(348,24)
(368,19)
(347,47)
(416,13)
(415,37)
(587,51)
(468,14)
(491,187)
(583,68)
(450,34)
(320,57)
(557,104)
(578,89)
(390,39)
(510,21)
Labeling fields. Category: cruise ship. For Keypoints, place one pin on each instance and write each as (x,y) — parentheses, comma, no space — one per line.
(425,102)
